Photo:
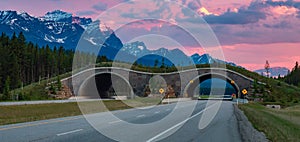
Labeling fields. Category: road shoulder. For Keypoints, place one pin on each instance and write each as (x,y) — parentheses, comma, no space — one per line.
(247,131)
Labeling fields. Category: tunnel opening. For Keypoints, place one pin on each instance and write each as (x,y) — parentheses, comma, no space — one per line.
(106,86)
(213,86)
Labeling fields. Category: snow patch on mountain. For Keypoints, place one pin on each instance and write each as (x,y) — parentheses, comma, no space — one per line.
(274,71)
(57,16)
(176,56)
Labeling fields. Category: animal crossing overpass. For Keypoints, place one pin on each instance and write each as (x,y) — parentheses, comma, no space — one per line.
(130,83)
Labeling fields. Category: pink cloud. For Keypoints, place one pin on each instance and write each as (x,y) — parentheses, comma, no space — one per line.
(274,37)
(254,56)
(40,7)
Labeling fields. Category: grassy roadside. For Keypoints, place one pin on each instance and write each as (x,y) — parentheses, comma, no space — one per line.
(278,125)
(27,113)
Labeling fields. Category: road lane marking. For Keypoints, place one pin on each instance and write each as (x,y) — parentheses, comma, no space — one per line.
(166,131)
(113,122)
(37,124)
(139,116)
(70,132)
(157,112)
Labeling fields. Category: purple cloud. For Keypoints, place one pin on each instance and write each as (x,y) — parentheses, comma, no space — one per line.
(85,13)
(242,17)
(100,6)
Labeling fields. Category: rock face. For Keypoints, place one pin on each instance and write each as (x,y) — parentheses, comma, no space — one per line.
(170,93)
(147,91)
(65,93)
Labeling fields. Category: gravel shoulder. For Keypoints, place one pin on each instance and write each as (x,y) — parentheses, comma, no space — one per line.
(247,131)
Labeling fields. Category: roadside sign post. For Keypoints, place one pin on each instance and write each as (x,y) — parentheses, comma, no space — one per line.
(244,94)
(161,91)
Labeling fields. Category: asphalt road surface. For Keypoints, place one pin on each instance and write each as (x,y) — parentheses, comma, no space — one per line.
(185,121)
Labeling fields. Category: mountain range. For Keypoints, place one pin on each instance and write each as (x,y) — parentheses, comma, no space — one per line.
(274,72)
(56,28)
(59,28)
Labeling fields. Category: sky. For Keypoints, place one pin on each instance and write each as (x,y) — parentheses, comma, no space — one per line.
(249,31)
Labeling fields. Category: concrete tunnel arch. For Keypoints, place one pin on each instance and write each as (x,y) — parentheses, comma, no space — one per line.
(99,85)
(195,82)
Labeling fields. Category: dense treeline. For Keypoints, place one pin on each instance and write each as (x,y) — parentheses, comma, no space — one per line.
(293,77)
(22,63)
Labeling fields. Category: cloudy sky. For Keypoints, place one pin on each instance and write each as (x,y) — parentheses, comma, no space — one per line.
(249,31)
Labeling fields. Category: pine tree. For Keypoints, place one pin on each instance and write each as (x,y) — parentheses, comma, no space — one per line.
(255,86)
(54,62)
(296,67)
(6,91)
(59,85)
(155,63)
(24,62)
(294,76)
(267,67)
(61,58)
(162,63)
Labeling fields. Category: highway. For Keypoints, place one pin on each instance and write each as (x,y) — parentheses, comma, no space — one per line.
(184,121)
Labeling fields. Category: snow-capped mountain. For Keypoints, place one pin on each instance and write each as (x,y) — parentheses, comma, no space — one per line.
(274,72)
(135,48)
(56,28)
(173,57)
(58,16)
(59,28)
(207,59)
(139,50)
(203,59)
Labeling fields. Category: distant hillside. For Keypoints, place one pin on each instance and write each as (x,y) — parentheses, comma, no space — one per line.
(274,72)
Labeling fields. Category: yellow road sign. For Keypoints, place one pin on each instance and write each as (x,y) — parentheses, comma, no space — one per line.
(244,91)
(161,90)
(233,96)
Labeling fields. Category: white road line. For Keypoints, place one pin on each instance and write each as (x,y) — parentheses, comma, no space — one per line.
(157,112)
(42,122)
(70,132)
(139,116)
(113,122)
(166,131)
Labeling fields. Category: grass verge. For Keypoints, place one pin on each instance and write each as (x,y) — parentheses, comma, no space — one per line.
(278,125)
(27,113)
